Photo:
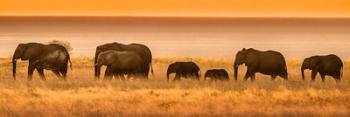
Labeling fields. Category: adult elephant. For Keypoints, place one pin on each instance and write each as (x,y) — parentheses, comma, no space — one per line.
(330,65)
(51,57)
(183,69)
(266,62)
(120,63)
(141,49)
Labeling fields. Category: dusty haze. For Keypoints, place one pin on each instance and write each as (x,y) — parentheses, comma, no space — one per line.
(209,42)
(207,37)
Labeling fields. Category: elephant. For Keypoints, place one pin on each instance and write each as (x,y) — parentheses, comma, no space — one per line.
(141,49)
(330,65)
(120,63)
(216,74)
(183,69)
(266,62)
(52,57)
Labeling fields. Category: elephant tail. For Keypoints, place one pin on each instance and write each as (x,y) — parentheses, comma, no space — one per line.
(70,64)
(69,59)
(286,70)
(341,71)
(199,74)
(151,68)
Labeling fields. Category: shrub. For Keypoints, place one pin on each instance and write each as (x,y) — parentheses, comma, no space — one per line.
(62,43)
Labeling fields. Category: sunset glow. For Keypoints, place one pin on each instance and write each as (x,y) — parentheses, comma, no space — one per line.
(211,8)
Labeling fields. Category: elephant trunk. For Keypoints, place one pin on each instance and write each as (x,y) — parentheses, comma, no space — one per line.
(97,71)
(302,73)
(235,67)
(97,67)
(14,62)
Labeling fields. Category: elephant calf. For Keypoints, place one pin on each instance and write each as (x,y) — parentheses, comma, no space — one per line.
(183,69)
(330,65)
(216,74)
(120,63)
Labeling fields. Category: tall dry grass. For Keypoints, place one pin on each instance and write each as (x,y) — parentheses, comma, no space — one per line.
(81,95)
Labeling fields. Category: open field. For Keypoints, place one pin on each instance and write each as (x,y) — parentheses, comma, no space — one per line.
(81,95)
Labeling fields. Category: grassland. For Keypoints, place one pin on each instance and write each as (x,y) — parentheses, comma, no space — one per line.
(81,95)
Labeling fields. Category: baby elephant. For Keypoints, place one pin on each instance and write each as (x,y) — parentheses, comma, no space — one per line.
(330,65)
(183,69)
(216,74)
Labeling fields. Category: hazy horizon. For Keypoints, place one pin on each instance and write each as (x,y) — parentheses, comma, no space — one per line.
(191,37)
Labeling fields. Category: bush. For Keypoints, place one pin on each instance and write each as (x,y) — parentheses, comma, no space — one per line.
(62,43)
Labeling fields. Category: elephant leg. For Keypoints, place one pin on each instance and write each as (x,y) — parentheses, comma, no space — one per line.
(115,75)
(313,75)
(141,75)
(144,74)
(252,76)
(41,73)
(285,75)
(197,76)
(177,77)
(323,78)
(250,73)
(121,76)
(31,69)
(108,73)
(246,76)
(137,75)
(273,77)
(130,75)
(118,76)
(57,73)
(64,70)
(337,78)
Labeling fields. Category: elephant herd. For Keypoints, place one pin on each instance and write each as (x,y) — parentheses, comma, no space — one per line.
(134,60)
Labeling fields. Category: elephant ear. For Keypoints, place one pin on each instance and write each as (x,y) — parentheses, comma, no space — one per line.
(110,58)
(315,62)
(31,52)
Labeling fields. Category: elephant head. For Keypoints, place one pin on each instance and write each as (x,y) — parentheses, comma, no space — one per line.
(106,58)
(171,69)
(99,50)
(23,52)
(240,59)
(309,63)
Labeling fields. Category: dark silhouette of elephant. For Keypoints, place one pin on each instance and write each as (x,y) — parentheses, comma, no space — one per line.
(141,49)
(216,74)
(51,57)
(266,62)
(183,69)
(120,63)
(330,65)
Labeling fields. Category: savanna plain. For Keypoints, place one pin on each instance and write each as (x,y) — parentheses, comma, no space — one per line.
(82,95)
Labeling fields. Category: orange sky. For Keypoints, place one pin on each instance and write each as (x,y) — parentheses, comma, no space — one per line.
(219,8)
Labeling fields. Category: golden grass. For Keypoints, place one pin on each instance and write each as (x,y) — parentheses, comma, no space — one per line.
(81,95)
